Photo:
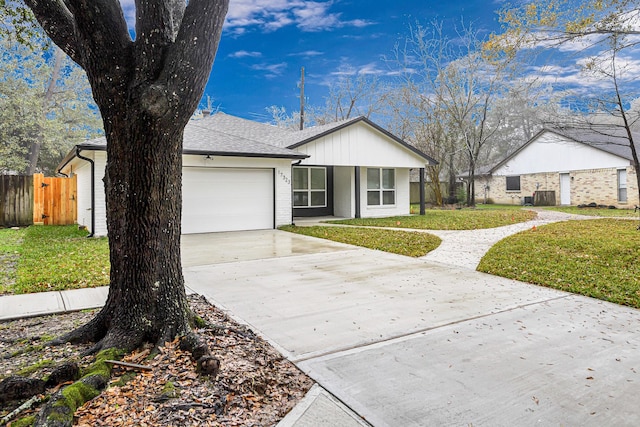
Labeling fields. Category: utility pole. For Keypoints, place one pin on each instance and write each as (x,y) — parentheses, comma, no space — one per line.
(302,99)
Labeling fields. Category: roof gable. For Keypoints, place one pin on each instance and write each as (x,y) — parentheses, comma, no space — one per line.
(293,139)
(314,133)
(359,144)
(609,139)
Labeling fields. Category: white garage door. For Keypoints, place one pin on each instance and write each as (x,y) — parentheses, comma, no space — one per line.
(224,199)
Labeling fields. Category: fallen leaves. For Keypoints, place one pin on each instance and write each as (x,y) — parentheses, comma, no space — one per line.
(255,386)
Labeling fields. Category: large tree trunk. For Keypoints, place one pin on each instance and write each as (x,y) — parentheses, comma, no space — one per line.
(146,90)
(147,299)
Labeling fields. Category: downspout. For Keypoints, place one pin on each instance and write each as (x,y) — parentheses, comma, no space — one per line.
(422,196)
(292,208)
(93,190)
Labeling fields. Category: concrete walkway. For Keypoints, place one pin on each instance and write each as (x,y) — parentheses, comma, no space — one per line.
(467,247)
(395,341)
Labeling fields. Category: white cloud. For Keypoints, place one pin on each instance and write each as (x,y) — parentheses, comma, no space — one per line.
(271,15)
(307,53)
(271,70)
(245,54)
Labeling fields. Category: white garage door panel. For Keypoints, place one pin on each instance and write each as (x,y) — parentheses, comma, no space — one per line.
(226,199)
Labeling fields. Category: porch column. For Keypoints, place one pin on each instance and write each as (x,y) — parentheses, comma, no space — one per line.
(422,204)
(357,190)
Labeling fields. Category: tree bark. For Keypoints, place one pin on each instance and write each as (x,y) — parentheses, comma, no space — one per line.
(146,91)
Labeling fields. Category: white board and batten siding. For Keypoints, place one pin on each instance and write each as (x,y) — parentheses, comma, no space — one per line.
(551,152)
(360,145)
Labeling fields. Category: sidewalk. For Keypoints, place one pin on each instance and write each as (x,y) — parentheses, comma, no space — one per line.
(43,303)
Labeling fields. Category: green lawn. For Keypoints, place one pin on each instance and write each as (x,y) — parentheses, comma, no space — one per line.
(448,219)
(598,258)
(409,243)
(49,258)
(10,242)
(603,212)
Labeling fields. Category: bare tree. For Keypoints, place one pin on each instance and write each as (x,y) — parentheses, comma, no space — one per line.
(608,27)
(456,87)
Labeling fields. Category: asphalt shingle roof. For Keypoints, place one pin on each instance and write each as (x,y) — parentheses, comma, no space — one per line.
(288,138)
(214,135)
(222,134)
(612,139)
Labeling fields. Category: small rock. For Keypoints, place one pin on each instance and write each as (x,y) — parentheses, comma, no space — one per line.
(208,365)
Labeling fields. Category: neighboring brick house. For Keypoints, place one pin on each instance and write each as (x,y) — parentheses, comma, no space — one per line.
(580,166)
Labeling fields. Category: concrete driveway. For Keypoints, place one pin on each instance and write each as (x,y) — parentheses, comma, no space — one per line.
(406,342)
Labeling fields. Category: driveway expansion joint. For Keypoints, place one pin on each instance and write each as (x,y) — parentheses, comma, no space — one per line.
(402,337)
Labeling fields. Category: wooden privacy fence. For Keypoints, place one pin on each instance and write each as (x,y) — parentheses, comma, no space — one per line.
(16,200)
(54,200)
(544,198)
(26,200)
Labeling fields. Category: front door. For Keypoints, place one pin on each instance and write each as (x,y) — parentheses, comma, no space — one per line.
(565,189)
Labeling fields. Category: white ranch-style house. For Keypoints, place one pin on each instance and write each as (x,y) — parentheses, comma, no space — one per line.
(243,175)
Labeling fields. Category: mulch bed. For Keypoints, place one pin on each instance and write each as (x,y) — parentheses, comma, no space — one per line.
(256,386)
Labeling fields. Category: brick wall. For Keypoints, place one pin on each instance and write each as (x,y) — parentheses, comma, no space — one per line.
(587,186)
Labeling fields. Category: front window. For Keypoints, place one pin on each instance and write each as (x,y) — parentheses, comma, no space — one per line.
(309,187)
(622,185)
(513,183)
(381,187)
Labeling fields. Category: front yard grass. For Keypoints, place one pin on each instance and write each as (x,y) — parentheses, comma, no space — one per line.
(10,242)
(603,212)
(597,258)
(52,258)
(409,243)
(447,219)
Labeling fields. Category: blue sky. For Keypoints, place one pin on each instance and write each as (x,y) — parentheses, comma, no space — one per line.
(266,42)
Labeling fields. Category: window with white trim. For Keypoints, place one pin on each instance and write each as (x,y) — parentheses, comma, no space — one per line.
(622,185)
(381,187)
(309,187)
(513,183)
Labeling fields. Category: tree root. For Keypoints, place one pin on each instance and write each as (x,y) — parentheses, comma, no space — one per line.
(59,410)
(16,388)
(25,406)
(112,340)
(206,364)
